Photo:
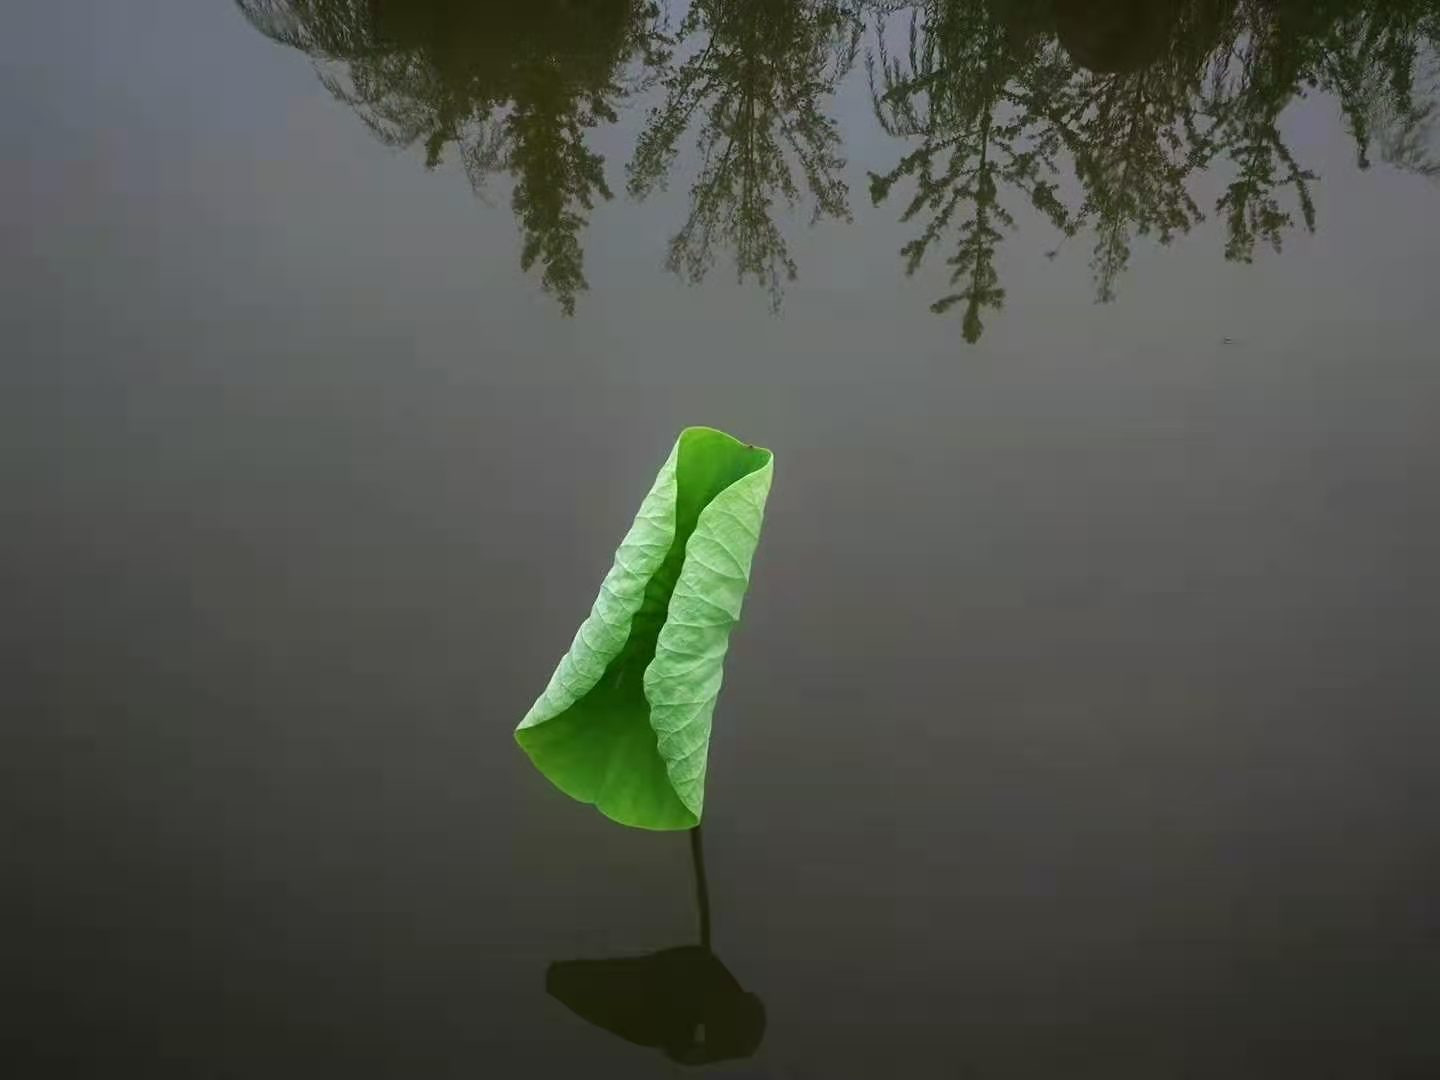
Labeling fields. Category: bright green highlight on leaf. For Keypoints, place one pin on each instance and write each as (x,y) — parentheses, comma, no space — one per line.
(625,721)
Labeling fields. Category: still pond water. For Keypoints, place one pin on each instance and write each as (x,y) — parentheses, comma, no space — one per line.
(1082,722)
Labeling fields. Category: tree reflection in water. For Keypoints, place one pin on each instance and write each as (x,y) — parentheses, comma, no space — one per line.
(1135,97)
(1098,114)
(513,88)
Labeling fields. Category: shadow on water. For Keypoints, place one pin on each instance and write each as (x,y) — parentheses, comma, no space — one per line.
(1097,114)
(682,1000)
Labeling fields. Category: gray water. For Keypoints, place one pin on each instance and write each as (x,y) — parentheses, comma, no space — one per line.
(1082,719)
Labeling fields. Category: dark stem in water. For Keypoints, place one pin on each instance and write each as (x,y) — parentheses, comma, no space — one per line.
(702,890)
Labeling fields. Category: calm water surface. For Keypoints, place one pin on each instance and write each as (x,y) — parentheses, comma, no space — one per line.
(1083,719)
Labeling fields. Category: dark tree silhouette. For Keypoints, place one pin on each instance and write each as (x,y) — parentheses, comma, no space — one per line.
(753,88)
(979,103)
(1136,97)
(1099,114)
(512,89)
(1132,123)
(1368,55)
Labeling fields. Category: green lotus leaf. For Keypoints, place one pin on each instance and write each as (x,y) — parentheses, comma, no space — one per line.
(625,720)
